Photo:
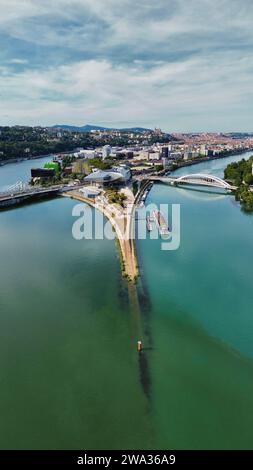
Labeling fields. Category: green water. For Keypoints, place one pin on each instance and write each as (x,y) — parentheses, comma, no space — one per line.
(68,364)
(70,376)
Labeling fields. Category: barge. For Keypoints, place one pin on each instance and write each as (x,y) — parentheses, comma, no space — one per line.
(161,223)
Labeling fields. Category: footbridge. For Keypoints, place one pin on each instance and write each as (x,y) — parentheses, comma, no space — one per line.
(197,179)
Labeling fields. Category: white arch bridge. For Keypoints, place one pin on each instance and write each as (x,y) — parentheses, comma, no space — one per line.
(197,179)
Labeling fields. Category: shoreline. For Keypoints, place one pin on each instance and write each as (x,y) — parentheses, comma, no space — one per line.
(209,159)
(23,159)
(128,262)
(181,165)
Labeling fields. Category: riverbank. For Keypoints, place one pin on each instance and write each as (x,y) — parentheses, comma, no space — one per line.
(19,160)
(180,165)
(200,160)
(123,226)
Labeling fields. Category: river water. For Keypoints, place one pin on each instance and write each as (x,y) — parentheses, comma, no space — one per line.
(70,374)
(21,171)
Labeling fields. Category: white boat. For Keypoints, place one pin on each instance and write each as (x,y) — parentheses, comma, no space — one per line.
(161,223)
(149,222)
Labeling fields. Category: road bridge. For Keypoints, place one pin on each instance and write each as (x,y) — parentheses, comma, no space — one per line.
(22,192)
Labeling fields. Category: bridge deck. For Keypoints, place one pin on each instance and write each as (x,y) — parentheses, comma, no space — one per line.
(197,179)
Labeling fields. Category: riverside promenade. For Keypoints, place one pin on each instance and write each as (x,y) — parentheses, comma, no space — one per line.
(122,220)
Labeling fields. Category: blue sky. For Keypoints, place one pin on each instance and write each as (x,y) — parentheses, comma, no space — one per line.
(183,65)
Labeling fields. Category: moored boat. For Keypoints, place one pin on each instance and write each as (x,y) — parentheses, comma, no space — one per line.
(161,223)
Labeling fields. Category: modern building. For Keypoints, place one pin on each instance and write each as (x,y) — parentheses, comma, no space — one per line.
(90,192)
(154,156)
(43,172)
(89,154)
(106,152)
(203,150)
(142,155)
(124,171)
(165,152)
(164,162)
(116,175)
(53,166)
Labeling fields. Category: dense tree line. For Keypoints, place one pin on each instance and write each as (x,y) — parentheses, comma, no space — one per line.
(27,142)
(240,174)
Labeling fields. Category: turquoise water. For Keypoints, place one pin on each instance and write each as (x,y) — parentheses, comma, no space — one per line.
(215,167)
(201,321)
(70,375)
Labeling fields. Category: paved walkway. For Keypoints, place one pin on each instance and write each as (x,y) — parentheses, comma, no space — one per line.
(122,219)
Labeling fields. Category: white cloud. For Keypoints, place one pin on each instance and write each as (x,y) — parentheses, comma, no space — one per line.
(168,61)
(18,61)
(127,21)
(96,91)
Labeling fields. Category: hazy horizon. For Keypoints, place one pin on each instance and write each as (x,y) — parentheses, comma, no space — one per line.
(182,131)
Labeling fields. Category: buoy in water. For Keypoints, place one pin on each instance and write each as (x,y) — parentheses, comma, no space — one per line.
(139,346)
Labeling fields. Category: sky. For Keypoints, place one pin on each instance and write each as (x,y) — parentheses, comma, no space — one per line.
(182,65)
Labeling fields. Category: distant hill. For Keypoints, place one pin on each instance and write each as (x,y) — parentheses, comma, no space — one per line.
(90,127)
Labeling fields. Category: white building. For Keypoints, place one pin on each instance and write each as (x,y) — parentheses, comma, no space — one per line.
(203,150)
(142,155)
(106,152)
(124,171)
(117,174)
(154,156)
(85,154)
(90,191)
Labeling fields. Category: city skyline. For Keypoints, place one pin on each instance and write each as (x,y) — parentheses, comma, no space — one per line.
(182,66)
